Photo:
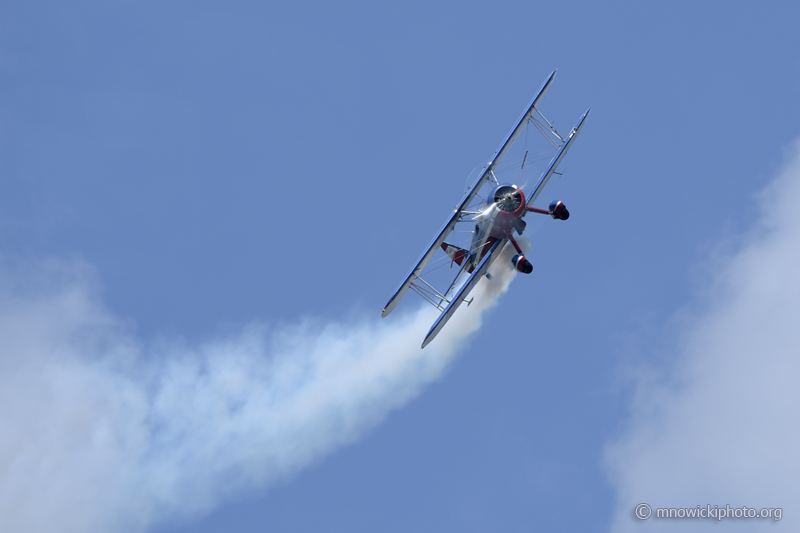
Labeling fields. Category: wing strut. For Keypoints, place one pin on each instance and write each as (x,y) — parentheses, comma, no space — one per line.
(551,169)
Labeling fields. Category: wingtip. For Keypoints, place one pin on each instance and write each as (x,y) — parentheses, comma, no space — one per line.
(427,341)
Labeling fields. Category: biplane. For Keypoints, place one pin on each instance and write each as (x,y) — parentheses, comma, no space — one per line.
(492,218)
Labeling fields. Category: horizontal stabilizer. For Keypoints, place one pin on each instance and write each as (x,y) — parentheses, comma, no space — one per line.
(456,254)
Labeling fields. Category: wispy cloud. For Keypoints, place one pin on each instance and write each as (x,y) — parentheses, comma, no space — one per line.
(103,432)
(721,426)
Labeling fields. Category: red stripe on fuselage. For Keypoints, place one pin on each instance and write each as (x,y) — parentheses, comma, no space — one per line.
(486,247)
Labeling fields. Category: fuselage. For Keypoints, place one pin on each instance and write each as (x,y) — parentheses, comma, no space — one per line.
(503,213)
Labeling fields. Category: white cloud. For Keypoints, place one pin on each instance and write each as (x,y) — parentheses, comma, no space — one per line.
(100,434)
(721,426)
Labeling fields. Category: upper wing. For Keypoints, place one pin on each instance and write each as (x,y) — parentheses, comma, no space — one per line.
(464,291)
(482,179)
(557,159)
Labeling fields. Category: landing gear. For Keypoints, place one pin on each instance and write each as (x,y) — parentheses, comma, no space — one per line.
(520,263)
(557,210)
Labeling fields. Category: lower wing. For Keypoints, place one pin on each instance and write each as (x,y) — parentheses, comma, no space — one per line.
(473,280)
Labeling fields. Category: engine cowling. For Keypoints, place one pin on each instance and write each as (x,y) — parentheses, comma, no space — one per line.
(558,210)
(522,264)
(508,198)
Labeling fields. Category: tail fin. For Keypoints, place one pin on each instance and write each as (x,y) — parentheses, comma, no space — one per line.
(456,254)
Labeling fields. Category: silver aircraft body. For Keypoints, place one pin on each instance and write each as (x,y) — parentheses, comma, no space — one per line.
(495,221)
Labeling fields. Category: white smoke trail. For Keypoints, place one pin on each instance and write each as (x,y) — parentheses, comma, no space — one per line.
(102,434)
(719,426)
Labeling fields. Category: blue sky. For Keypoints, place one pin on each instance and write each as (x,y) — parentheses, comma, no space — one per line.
(211,166)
